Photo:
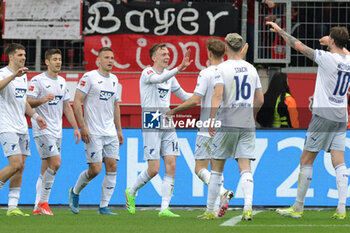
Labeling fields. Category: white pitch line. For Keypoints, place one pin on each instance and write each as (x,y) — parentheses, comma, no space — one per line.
(233,221)
(266,225)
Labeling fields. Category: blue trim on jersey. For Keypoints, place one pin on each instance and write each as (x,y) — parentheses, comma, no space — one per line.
(10,69)
(32,96)
(64,101)
(81,91)
(48,76)
(102,74)
(196,93)
(258,88)
(218,84)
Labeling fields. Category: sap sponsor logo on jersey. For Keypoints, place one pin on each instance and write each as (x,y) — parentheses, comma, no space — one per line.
(20,92)
(162,92)
(151,119)
(55,100)
(106,95)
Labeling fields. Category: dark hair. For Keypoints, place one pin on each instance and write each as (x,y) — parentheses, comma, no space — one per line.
(278,87)
(11,49)
(50,52)
(104,49)
(340,36)
(155,47)
(217,47)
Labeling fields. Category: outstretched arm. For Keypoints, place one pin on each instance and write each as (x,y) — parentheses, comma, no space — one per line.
(292,41)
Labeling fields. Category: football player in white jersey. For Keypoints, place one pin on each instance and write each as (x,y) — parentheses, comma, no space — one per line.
(238,93)
(327,129)
(98,90)
(156,85)
(49,96)
(204,92)
(14,136)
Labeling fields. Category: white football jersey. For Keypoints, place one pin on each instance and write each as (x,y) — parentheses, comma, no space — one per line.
(332,84)
(205,88)
(156,95)
(40,86)
(101,94)
(241,80)
(13,100)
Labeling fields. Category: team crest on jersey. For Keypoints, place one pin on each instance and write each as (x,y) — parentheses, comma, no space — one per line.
(162,92)
(55,100)
(20,92)
(31,88)
(113,84)
(106,95)
(149,72)
(61,85)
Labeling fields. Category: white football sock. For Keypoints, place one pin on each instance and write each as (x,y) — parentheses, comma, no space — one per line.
(38,191)
(108,187)
(141,180)
(47,181)
(248,187)
(14,194)
(305,177)
(213,190)
(167,191)
(204,175)
(342,178)
(82,181)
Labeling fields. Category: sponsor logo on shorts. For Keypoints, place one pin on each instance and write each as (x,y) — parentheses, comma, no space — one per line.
(106,95)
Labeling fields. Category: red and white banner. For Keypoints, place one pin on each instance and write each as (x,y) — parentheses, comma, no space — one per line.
(131,51)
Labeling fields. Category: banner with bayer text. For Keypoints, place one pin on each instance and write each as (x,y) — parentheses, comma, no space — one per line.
(131,29)
(275,173)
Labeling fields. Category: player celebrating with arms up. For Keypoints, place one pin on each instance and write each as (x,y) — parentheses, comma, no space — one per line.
(156,85)
(327,129)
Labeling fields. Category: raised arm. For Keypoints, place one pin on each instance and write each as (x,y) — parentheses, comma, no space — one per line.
(156,78)
(18,73)
(292,41)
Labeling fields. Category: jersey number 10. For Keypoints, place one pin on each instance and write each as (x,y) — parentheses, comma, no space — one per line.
(343,88)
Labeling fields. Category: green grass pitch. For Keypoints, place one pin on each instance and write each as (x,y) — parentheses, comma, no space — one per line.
(145,221)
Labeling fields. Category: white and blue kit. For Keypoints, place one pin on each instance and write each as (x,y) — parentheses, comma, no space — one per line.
(101,94)
(14,136)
